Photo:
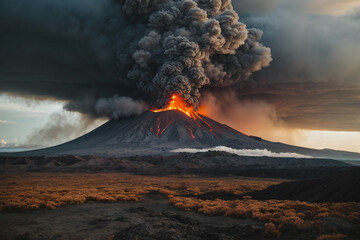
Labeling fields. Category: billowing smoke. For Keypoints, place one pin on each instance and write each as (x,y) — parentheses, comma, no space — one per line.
(106,57)
(192,44)
(244,152)
(118,107)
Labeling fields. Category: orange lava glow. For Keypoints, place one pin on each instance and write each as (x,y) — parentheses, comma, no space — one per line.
(191,133)
(203,110)
(177,103)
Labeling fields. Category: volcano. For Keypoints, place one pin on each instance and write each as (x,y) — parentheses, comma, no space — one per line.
(160,132)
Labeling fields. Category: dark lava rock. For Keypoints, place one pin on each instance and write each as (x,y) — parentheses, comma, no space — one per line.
(341,187)
(172,226)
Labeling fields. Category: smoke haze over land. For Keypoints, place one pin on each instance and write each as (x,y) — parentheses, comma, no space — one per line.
(243,152)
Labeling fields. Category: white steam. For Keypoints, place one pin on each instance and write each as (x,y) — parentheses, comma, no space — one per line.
(243,152)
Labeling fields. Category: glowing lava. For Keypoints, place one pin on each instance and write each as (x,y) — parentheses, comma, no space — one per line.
(177,103)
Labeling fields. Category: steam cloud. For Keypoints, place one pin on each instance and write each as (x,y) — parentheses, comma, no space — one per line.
(243,152)
(60,127)
(107,57)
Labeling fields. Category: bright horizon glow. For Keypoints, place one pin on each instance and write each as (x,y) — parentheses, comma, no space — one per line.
(337,140)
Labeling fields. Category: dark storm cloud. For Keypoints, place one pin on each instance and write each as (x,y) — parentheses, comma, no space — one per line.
(314,79)
(310,47)
(86,51)
(254,6)
(62,50)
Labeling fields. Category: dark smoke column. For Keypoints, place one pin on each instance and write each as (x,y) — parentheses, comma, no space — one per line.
(110,57)
(188,44)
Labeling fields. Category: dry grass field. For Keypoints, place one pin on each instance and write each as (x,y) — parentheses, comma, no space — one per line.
(25,191)
(278,215)
(210,196)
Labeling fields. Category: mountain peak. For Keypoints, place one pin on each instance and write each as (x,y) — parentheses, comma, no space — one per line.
(160,132)
(173,125)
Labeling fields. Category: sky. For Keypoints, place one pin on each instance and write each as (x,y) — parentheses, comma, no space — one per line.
(54,67)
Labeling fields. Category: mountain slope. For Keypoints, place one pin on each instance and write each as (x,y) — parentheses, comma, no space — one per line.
(159,132)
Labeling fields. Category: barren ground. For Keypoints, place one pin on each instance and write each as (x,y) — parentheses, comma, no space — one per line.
(93,220)
(124,206)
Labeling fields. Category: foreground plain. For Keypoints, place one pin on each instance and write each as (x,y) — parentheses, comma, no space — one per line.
(125,206)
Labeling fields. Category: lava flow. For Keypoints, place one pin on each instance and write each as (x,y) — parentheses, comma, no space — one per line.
(177,103)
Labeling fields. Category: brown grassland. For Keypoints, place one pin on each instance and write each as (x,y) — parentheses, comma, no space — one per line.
(26,191)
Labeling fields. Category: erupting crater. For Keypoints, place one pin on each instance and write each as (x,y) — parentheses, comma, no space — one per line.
(177,103)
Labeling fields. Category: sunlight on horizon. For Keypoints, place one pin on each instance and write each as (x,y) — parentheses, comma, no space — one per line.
(337,140)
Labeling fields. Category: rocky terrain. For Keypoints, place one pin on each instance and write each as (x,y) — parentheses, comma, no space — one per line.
(151,219)
(213,163)
(341,187)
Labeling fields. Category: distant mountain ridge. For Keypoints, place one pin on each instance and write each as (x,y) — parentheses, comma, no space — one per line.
(157,133)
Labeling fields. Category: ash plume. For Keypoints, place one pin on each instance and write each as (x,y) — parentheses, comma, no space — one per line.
(103,56)
(119,107)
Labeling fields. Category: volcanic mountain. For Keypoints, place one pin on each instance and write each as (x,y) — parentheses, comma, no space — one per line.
(157,133)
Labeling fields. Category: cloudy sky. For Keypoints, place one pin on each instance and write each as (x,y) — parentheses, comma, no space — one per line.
(308,96)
